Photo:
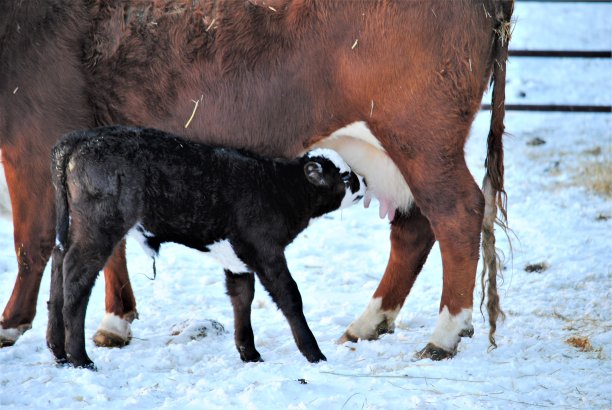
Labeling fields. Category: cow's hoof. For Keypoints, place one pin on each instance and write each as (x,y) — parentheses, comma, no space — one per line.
(382,328)
(9,336)
(103,338)
(114,331)
(468,332)
(6,341)
(347,337)
(433,352)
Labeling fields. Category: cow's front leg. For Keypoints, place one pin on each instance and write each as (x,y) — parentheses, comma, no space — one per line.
(277,280)
(34,235)
(411,241)
(241,290)
(114,330)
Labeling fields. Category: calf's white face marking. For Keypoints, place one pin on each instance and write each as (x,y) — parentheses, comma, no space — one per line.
(224,253)
(350,196)
(362,151)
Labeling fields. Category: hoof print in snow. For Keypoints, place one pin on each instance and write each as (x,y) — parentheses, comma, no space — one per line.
(189,330)
(433,352)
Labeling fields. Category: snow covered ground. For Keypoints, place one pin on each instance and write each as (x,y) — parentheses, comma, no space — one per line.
(558,220)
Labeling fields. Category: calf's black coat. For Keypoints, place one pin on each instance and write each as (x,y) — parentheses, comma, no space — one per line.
(167,189)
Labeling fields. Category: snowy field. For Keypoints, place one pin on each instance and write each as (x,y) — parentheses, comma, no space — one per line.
(554,348)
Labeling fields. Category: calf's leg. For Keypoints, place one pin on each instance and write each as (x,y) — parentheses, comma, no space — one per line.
(241,290)
(34,235)
(55,324)
(277,280)
(87,255)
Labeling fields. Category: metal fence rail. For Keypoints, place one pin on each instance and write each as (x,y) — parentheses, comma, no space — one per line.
(557,107)
(559,54)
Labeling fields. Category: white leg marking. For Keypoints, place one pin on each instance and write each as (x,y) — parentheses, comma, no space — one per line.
(9,335)
(12,334)
(223,252)
(364,154)
(112,323)
(365,326)
(446,333)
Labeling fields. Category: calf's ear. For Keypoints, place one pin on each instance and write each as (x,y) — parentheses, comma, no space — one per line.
(314,173)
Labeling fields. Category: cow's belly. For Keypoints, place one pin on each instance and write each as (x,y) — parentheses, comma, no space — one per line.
(363,152)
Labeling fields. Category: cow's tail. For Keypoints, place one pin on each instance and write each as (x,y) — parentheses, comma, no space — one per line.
(493,184)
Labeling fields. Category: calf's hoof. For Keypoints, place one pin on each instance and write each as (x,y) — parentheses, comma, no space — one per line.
(433,352)
(58,353)
(315,357)
(84,363)
(249,355)
(8,336)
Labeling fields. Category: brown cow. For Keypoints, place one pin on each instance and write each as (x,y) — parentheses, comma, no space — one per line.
(393,86)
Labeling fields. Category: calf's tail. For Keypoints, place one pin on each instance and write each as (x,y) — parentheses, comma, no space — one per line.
(60,156)
(493,184)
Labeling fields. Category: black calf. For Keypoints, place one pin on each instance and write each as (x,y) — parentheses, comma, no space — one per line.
(242,209)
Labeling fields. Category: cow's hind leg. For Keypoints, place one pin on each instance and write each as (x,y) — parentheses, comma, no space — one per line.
(114,330)
(241,290)
(34,235)
(411,241)
(448,196)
